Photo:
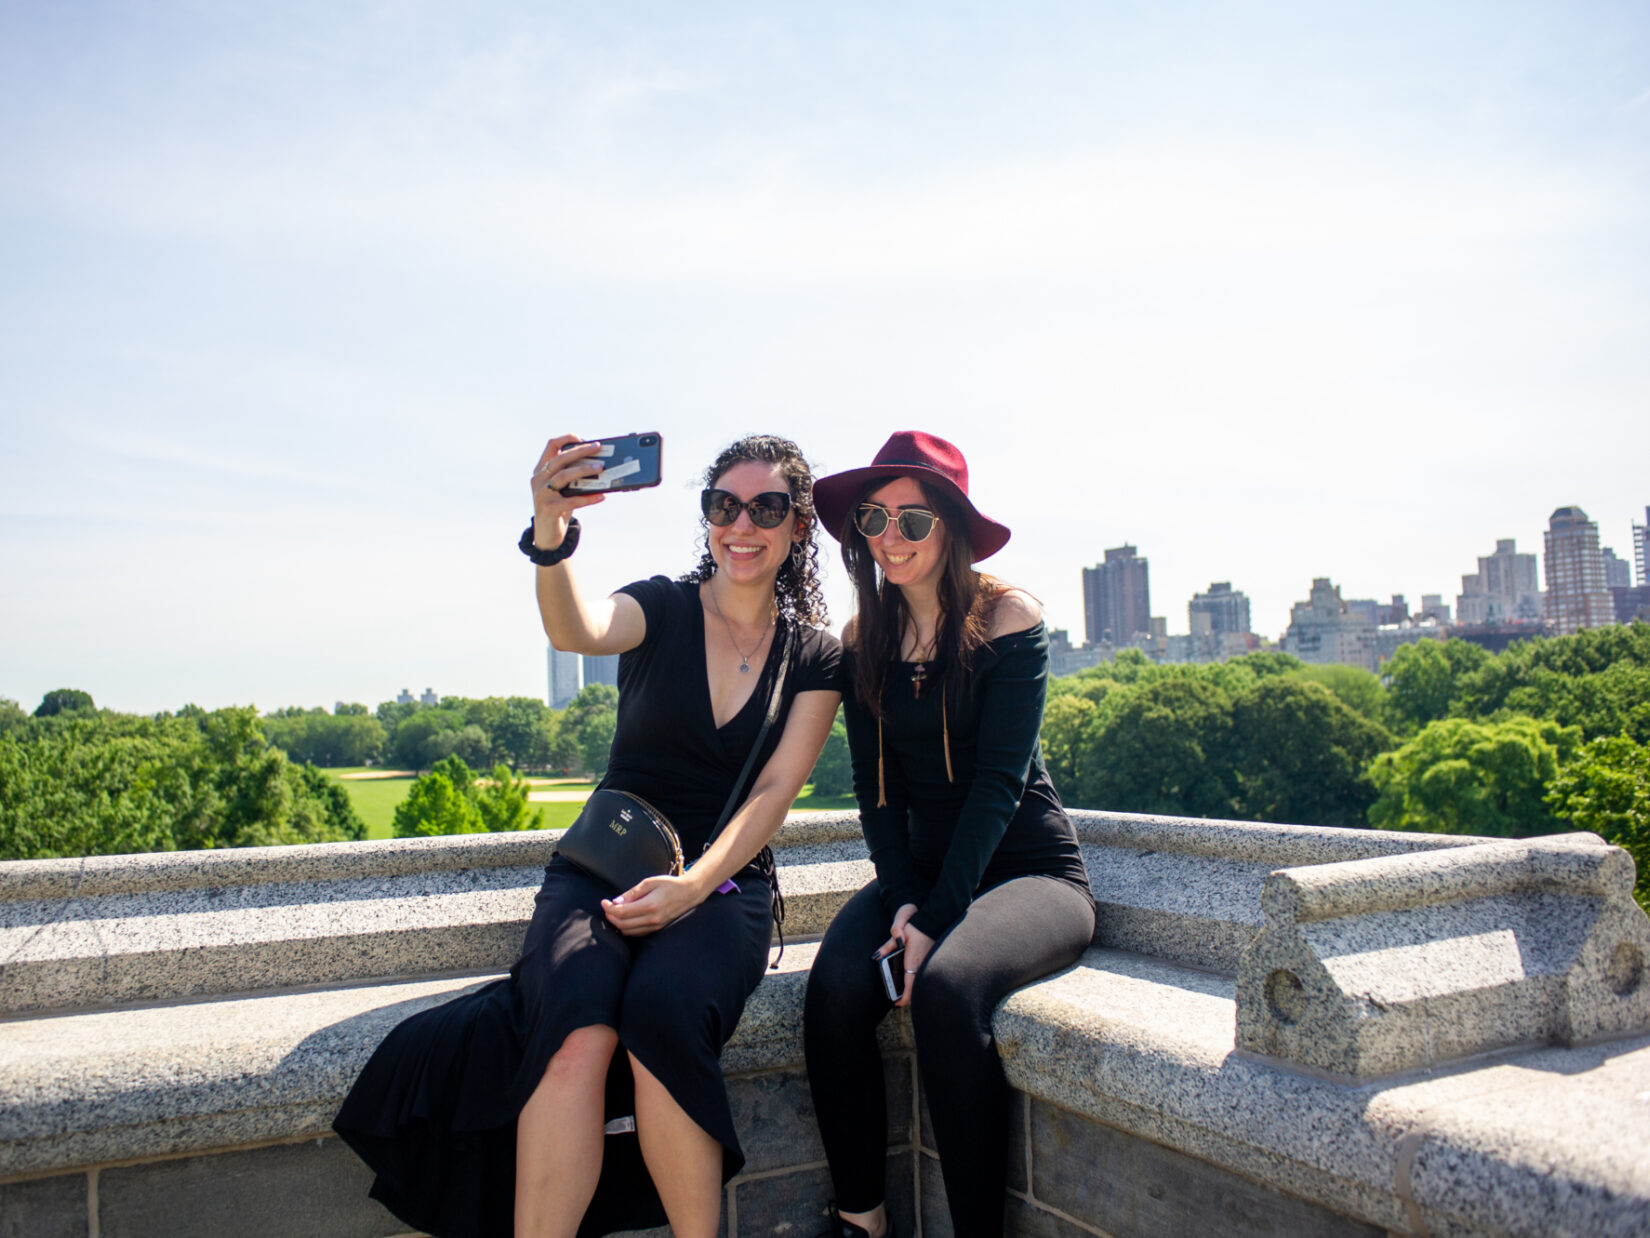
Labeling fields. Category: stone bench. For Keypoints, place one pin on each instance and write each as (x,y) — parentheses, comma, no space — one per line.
(179,1029)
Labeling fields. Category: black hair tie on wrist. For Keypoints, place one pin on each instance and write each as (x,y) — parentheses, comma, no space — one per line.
(549,558)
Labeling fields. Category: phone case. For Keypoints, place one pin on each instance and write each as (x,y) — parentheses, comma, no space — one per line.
(629,462)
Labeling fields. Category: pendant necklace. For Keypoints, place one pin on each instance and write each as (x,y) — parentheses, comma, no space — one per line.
(744,658)
(919,674)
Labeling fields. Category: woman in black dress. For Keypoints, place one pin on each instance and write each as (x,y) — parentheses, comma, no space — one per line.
(505,1111)
(979,877)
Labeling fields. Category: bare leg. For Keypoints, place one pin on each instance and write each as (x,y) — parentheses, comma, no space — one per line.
(683,1159)
(559,1136)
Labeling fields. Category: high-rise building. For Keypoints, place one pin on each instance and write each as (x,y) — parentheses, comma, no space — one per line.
(601,669)
(1505,589)
(1117,598)
(1618,573)
(1432,607)
(564,677)
(1641,549)
(1632,604)
(1219,610)
(1369,608)
(1577,596)
(1325,629)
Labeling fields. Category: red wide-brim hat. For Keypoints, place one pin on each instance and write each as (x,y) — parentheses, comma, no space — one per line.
(929,459)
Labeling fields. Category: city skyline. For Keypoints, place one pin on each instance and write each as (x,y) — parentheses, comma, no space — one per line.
(295,297)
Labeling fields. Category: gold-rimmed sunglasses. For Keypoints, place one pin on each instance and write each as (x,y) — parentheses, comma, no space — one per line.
(914,523)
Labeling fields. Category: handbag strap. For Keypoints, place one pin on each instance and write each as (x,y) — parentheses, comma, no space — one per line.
(767,723)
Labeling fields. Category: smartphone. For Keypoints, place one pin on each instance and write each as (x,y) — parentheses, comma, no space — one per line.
(629,462)
(893,981)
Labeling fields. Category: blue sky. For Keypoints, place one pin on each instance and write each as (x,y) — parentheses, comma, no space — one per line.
(293,295)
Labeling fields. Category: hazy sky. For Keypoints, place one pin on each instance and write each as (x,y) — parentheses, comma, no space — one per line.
(291,296)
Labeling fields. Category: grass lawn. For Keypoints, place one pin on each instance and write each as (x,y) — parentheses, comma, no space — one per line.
(376,799)
(809,802)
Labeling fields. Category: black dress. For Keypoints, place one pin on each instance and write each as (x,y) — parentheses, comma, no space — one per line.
(434,1110)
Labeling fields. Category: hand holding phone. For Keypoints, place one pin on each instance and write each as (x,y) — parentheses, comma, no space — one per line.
(892,966)
(629,462)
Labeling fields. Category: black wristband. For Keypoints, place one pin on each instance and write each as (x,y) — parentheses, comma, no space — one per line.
(549,558)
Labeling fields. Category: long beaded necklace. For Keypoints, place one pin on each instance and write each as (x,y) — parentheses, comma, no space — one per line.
(744,658)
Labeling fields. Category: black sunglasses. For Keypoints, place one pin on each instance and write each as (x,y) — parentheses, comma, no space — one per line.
(768,509)
(915,523)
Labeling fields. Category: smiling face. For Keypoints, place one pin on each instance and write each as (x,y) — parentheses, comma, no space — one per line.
(904,563)
(743,552)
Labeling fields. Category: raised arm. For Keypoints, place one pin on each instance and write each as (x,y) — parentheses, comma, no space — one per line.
(573,622)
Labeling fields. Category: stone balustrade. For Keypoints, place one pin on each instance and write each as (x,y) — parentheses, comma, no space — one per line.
(1280,1030)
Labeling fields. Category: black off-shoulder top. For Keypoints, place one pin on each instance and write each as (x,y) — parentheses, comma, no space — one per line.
(939,839)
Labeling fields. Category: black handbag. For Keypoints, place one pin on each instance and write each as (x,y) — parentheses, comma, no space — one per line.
(621,839)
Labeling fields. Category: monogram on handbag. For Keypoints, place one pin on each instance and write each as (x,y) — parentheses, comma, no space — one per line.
(621,839)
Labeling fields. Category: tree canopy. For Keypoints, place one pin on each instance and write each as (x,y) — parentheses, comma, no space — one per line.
(78,783)
(451,800)
(1549,735)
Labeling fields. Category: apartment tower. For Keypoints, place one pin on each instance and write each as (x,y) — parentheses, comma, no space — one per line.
(1577,596)
(1116,598)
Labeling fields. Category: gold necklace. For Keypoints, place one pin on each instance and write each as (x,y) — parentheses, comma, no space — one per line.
(744,658)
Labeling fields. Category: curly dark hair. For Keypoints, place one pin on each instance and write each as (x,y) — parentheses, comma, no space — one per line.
(797,589)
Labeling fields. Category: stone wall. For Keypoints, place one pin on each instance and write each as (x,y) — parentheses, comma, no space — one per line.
(1280,1030)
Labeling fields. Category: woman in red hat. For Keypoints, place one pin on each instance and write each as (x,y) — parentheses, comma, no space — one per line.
(979,877)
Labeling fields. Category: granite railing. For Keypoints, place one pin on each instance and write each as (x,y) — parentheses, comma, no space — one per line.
(1280,1030)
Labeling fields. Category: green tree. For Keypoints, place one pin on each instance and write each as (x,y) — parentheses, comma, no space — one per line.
(432,734)
(64,701)
(1423,679)
(1598,680)
(834,771)
(248,794)
(323,739)
(451,800)
(12,716)
(101,783)
(1163,751)
(434,806)
(1299,752)
(1463,777)
(590,719)
(1355,687)
(1068,722)
(519,735)
(502,802)
(74,791)
(560,743)
(1606,789)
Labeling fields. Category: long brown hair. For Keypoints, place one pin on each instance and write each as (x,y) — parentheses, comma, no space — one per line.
(796,590)
(882,615)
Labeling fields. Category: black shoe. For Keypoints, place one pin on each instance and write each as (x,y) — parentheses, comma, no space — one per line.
(847,1229)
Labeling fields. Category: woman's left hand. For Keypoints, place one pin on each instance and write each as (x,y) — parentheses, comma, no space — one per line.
(651,904)
(917,946)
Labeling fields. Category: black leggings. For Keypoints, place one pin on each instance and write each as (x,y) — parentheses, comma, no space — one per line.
(1012,934)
